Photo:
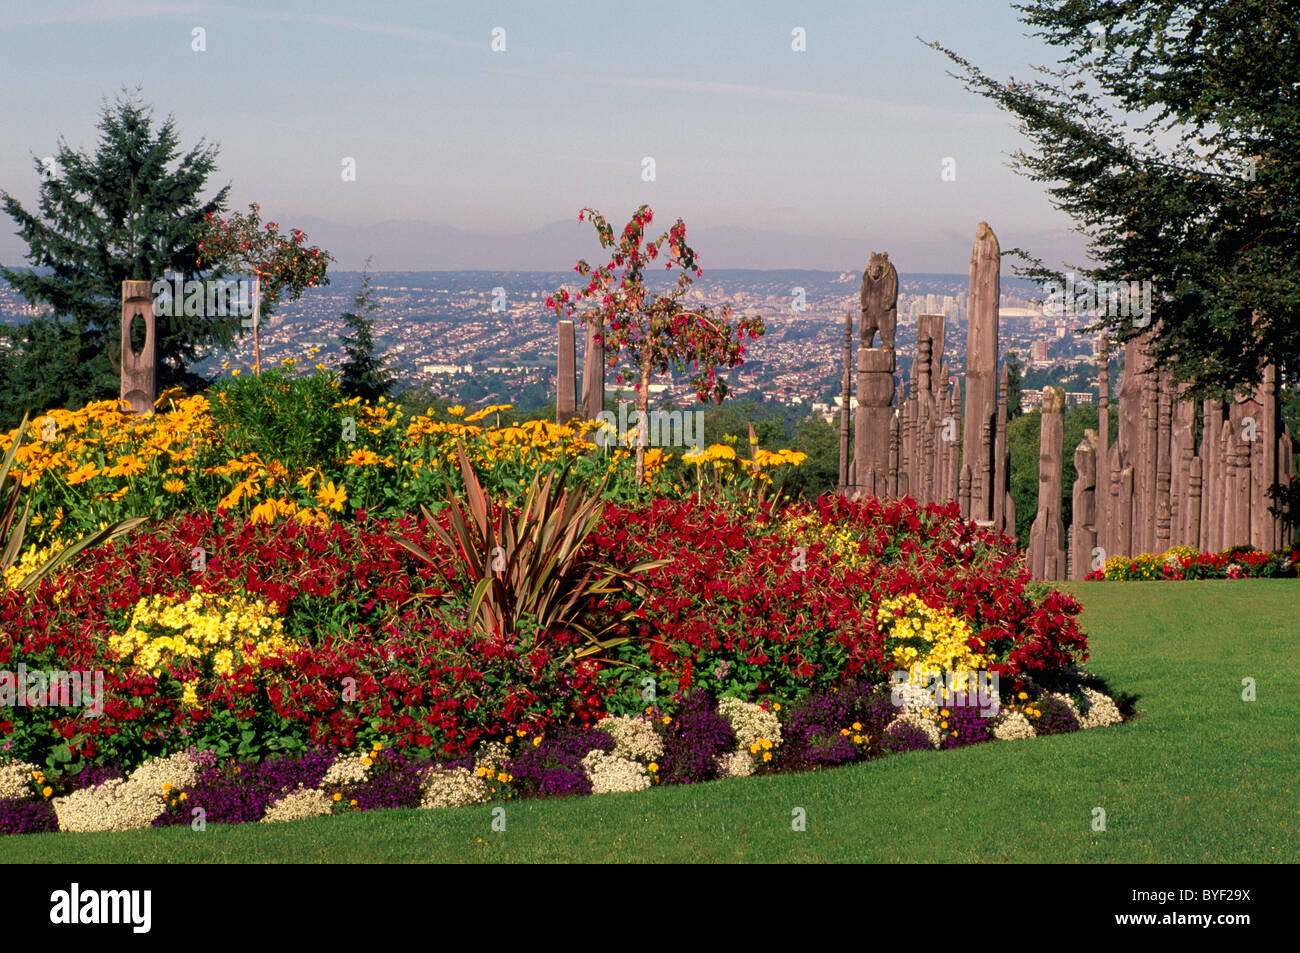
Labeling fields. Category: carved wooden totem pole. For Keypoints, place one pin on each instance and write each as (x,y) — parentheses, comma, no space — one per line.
(879,300)
(566,396)
(983,445)
(139,371)
(1047,537)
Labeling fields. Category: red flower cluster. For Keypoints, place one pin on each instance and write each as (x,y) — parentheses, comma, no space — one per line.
(777,621)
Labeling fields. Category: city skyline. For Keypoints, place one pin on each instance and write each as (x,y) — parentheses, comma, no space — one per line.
(486,337)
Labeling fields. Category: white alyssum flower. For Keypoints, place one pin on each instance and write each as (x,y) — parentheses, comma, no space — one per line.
(750,722)
(179,770)
(15,780)
(348,769)
(123,804)
(1102,710)
(634,737)
(299,803)
(1012,725)
(736,764)
(453,787)
(610,774)
(492,757)
(115,805)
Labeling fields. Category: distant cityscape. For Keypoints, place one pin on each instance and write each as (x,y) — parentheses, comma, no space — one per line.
(478,337)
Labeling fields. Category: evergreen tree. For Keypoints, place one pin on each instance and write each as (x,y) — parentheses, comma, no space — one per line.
(1015,381)
(820,473)
(1170,131)
(129,212)
(363,373)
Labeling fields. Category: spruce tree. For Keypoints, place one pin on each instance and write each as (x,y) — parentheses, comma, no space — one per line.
(363,374)
(131,211)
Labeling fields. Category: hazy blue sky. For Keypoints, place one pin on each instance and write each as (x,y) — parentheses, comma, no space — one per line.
(755,145)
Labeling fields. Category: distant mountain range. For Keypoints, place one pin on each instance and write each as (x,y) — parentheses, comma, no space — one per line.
(426,246)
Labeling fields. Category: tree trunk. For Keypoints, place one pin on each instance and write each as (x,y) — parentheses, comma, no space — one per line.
(643,419)
(257,339)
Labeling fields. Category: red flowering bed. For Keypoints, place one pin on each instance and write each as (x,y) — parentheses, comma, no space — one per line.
(383,653)
(733,611)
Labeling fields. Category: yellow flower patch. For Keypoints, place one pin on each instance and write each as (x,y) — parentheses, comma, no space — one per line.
(206,634)
(922,640)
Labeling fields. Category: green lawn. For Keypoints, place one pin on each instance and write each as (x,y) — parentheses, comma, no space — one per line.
(1201,776)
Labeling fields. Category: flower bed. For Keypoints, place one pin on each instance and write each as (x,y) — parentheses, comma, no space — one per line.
(282,640)
(346,652)
(285,644)
(703,741)
(1182,562)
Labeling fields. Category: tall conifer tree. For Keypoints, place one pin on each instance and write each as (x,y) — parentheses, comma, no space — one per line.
(131,211)
(363,374)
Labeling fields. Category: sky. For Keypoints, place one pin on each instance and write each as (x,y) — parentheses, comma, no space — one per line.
(470,157)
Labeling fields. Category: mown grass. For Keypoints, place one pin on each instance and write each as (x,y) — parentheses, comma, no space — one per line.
(1201,776)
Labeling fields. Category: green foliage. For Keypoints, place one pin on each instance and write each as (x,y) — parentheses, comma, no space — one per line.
(1170,131)
(1289,399)
(528,568)
(294,420)
(777,427)
(47,364)
(1015,381)
(820,473)
(1022,465)
(129,212)
(733,420)
(363,373)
